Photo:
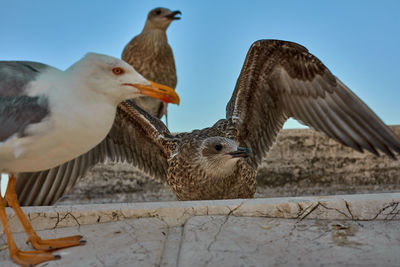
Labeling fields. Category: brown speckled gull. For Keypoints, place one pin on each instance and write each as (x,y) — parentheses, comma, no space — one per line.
(151,55)
(279,80)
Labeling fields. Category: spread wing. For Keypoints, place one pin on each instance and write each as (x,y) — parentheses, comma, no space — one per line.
(135,137)
(17,109)
(281,79)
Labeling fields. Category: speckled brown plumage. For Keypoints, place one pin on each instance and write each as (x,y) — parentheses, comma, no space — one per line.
(190,182)
(151,55)
(278,80)
(188,174)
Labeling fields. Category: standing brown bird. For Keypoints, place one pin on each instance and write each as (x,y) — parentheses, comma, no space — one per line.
(278,80)
(151,55)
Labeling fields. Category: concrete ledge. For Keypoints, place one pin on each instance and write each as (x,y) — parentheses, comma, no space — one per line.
(362,207)
(340,230)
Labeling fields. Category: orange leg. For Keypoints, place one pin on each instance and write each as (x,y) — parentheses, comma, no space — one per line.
(33,238)
(23,258)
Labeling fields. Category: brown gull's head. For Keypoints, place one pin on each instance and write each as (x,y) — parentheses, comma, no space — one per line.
(217,155)
(160,18)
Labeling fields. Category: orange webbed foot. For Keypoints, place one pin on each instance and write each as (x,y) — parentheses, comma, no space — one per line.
(56,243)
(32,258)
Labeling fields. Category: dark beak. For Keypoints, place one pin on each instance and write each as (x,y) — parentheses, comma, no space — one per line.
(241,152)
(173,14)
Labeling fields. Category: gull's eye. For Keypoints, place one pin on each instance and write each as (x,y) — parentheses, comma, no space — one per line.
(218,147)
(118,71)
(158,12)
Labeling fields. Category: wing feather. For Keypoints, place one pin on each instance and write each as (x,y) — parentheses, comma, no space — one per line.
(281,79)
(17,108)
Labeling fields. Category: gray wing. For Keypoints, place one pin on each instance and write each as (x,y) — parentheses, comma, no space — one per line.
(16,75)
(281,79)
(136,137)
(17,109)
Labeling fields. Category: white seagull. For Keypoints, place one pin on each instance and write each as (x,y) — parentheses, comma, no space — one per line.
(49,116)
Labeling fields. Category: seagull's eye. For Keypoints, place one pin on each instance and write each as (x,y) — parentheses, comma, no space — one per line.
(218,147)
(158,12)
(118,71)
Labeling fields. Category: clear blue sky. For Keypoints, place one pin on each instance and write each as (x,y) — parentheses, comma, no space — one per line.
(359,41)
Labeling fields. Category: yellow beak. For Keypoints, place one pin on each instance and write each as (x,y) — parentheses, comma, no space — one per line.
(159,91)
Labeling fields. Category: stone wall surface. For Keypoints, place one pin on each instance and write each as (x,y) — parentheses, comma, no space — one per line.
(304,162)
(301,162)
(341,230)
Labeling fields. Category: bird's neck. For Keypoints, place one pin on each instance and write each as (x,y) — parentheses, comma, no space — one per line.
(155,37)
(221,170)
